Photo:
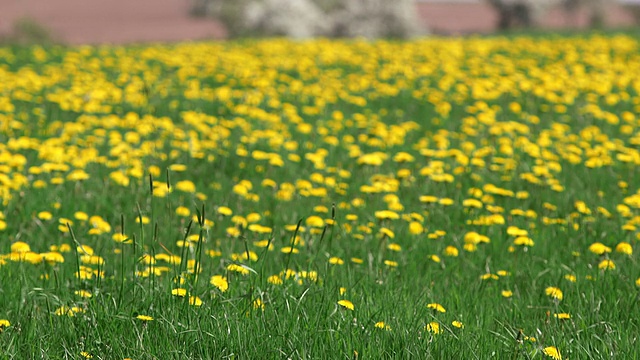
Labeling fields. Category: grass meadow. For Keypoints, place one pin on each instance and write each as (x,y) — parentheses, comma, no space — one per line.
(445,198)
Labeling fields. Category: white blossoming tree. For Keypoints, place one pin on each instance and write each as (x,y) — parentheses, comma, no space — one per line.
(309,18)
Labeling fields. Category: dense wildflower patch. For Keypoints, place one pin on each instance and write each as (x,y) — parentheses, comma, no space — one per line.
(495,178)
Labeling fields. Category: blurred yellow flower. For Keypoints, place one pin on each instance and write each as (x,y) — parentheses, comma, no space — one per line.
(144,318)
(450,251)
(185,186)
(4,324)
(391,263)
(180,292)
(624,248)
(386,214)
(220,282)
(552,352)
(457,324)
(195,301)
(394,247)
(346,304)
(599,248)
(433,327)
(606,265)
(183,211)
(554,292)
(437,307)
(415,228)
(314,221)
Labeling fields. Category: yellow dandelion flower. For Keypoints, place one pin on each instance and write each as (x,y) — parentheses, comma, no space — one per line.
(258,304)
(624,248)
(83,293)
(415,228)
(351,217)
(121,238)
(275,280)
(437,307)
(433,327)
(386,214)
(391,263)
(186,186)
(470,247)
(92,260)
(4,324)
(446,201)
(403,157)
(20,247)
(554,292)
(387,232)
(606,265)
(381,325)
(314,221)
(68,311)
(145,220)
(220,282)
(178,167)
(82,216)
(289,250)
(45,215)
(457,324)
(523,241)
(335,261)
(562,316)
(233,231)
(52,257)
(180,292)
(374,159)
(195,301)
(552,352)
(428,199)
(451,251)
(238,268)
(515,231)
(144,318)
(506,293)
(472,203)
(346,304)
(259,229)
(183,211)
(599,248)
(489,276)
(394,247)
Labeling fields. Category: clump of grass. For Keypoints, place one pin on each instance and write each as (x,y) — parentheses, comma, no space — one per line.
(27,31)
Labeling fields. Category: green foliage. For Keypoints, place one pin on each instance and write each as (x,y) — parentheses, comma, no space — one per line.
(442,198)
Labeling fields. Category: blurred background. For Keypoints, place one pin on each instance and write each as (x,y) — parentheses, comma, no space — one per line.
(125,21)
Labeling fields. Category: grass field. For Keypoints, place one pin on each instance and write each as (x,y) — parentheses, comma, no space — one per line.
(442,198)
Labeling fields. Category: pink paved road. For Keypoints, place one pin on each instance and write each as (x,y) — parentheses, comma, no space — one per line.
(111,21)
(127,21)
